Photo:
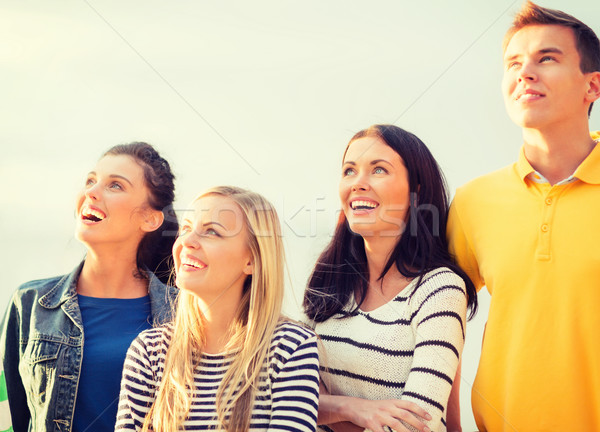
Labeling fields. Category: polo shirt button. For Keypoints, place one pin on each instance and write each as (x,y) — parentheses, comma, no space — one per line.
(548,201)
(545,228)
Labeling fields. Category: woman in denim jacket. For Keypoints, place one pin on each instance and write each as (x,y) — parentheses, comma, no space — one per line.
(53,383)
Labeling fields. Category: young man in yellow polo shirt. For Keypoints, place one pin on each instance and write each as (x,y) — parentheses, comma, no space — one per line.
(531,233)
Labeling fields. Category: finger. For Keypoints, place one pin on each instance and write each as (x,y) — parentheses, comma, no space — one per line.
(397,426)
(409,418)
(414,408)
(375,428)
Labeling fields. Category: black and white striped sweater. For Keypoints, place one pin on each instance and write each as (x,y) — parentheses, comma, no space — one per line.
(287,398)
(408,348)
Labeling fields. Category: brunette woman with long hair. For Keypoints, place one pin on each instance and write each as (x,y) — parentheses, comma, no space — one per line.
(386,299)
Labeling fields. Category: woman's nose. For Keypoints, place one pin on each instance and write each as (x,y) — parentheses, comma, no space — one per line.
(360,183)
(92,192)
(191,240)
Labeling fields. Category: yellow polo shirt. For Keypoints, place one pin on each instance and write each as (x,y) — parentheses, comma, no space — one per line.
(537,249)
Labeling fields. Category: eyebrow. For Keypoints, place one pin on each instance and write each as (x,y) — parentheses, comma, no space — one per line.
(113,176)
(551,50)
(373,162)
(376,161)
(189,222)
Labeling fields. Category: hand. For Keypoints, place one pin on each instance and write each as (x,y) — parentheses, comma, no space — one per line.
(376,414)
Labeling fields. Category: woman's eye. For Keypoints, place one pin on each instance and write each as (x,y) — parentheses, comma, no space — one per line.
(116,185)
(379,170)
(89,182)
(212,232)
(546,58)
(348,171)
(184,230)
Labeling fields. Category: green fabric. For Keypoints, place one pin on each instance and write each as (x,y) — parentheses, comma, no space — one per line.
(4,410)
(3,395)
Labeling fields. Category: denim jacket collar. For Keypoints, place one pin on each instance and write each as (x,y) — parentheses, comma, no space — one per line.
(64,289)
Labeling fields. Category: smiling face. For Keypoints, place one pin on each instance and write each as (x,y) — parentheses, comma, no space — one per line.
(211,254)
(374,189)
(543,84)
(113,206)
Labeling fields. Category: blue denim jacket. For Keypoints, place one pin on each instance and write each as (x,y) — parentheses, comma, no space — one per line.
(41,346)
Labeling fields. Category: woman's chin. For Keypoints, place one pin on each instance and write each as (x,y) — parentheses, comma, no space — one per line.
(367,231)
(364,228)
(83,237)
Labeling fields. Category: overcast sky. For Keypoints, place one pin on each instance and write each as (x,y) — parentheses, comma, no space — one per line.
(261,94)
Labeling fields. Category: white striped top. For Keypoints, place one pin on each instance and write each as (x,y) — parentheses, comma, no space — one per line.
(287,397)
(407,349)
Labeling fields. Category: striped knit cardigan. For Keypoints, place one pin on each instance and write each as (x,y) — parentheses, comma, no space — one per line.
(408,348)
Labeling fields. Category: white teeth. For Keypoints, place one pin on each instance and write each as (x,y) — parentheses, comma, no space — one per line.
(529,96)
(92,212)
(369,204)
(192,263)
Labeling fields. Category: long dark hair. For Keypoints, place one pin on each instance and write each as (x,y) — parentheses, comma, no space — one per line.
(154,250)
(342,267)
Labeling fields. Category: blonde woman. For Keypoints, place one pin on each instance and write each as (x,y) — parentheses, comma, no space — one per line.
(229,361)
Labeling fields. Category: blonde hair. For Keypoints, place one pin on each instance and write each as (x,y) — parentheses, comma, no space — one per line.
(251,332)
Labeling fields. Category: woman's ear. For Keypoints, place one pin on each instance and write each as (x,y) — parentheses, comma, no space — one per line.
(249,268)
(153,219)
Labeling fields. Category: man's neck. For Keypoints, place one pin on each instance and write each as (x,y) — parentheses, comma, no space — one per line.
(557,154)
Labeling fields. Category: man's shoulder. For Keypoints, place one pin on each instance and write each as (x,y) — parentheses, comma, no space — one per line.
(491,182)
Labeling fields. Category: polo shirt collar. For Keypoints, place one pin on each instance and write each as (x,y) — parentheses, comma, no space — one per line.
(588,171)
(524,168)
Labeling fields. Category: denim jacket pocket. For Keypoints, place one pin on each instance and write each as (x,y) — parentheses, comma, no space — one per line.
(38,367)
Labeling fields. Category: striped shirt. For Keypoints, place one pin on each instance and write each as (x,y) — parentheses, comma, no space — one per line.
(286,399)
(407,349)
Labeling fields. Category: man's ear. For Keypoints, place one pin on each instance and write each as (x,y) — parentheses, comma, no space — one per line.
(593,91)
(153,219)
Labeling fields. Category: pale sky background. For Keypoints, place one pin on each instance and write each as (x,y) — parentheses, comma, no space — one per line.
(261,94)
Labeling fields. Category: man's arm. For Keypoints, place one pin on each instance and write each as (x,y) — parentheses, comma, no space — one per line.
(459,244)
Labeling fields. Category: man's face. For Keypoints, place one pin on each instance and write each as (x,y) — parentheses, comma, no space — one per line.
(543,84)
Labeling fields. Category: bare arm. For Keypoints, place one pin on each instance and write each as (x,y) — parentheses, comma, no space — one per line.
(349,414)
